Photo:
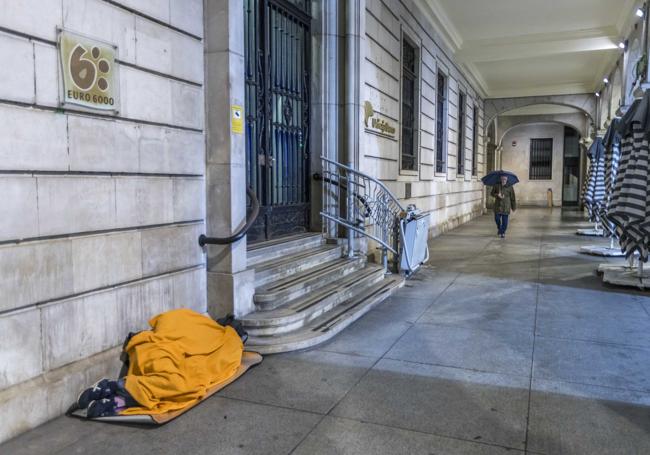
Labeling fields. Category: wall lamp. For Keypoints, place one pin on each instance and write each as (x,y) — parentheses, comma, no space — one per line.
(605,80)
(639,12)
(621,45)
(598,94)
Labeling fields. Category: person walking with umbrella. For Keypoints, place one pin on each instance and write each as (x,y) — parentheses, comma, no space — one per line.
(504,197)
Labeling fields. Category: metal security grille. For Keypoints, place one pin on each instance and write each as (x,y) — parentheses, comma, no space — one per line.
(441,101)
(461,133)
(277,53)
(475,141)
(409,77)
(541,159)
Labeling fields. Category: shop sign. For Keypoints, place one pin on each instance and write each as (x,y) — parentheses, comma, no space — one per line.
(89,72)
(376,124)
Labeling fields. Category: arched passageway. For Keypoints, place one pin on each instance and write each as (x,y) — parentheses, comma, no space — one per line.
(546,156)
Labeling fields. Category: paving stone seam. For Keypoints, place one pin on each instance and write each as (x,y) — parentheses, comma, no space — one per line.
(363,376)
(426,433)
(532,354)
(269,405)
(598,386)
(351,354)
(602,343)
(595,341)
(336,404)
(454,367)
(346,394)
(644,308)
(475,328)
(417,321)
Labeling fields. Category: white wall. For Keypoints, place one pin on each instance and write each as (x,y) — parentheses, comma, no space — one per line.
(450,198)
(517,159)
(99,215)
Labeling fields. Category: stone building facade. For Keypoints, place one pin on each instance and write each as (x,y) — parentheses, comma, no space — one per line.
(446,185)
(101,211)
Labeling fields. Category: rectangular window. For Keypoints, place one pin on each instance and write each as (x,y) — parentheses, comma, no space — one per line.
(409,106)
(475,141)
(461,134)
(441,113)
(541,159)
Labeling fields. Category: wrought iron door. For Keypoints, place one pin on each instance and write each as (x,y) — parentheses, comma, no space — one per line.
(277,52)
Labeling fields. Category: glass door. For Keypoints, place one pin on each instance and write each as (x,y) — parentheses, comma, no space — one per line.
(571,172)
(277,51)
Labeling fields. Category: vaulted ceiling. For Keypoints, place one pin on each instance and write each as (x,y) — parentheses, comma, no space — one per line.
(534,47)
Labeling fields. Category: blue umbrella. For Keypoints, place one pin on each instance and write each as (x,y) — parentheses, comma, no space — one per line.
(494,178)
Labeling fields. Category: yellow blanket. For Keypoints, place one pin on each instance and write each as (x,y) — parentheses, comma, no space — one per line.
(172,365)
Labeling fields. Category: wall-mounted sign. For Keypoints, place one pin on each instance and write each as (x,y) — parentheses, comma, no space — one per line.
(89,70)
(374,123)
(237,119)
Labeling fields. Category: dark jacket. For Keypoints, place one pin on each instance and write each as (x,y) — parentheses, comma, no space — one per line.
(505,203)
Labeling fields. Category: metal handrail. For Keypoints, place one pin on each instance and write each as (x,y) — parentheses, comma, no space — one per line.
(360,198)
(362,174)
(371,209)
(204,240)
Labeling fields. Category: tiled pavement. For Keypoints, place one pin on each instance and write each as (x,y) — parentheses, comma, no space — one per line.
(497,346)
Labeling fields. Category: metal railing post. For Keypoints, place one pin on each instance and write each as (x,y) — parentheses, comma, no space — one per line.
(350,215)
(366,198)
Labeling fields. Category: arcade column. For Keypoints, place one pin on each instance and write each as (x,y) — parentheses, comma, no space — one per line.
(230,286)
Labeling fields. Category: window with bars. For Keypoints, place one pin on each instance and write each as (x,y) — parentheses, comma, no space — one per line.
(475,141)
(541,159)
(441,114)
(461,133)
(409,106)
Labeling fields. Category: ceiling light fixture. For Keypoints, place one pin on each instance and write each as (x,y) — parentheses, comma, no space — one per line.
(621,45)
(639,12)
(605,80)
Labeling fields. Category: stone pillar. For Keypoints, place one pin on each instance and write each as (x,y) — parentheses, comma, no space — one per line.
(230,285)
(355,10)
(327,74)
(354,30)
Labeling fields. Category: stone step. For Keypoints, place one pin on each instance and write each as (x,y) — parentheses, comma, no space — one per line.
(265,251)
(328,324)
(296,313)
(277,293)
(281,267)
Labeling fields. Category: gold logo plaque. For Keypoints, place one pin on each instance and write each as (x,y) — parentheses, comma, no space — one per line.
(90,77)
(376,124)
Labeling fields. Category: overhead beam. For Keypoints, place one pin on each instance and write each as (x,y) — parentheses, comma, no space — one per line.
(538,45)
(541,90)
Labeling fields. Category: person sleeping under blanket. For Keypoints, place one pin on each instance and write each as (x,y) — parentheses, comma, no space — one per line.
(171,366)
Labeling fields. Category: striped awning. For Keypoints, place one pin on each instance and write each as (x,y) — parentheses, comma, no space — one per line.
(629,207)
(594,194)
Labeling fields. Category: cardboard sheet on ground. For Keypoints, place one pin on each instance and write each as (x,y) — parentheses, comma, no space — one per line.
(249,359)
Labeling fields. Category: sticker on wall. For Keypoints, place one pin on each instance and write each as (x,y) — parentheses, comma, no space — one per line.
(375,124)
(237,119)
(90,73)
